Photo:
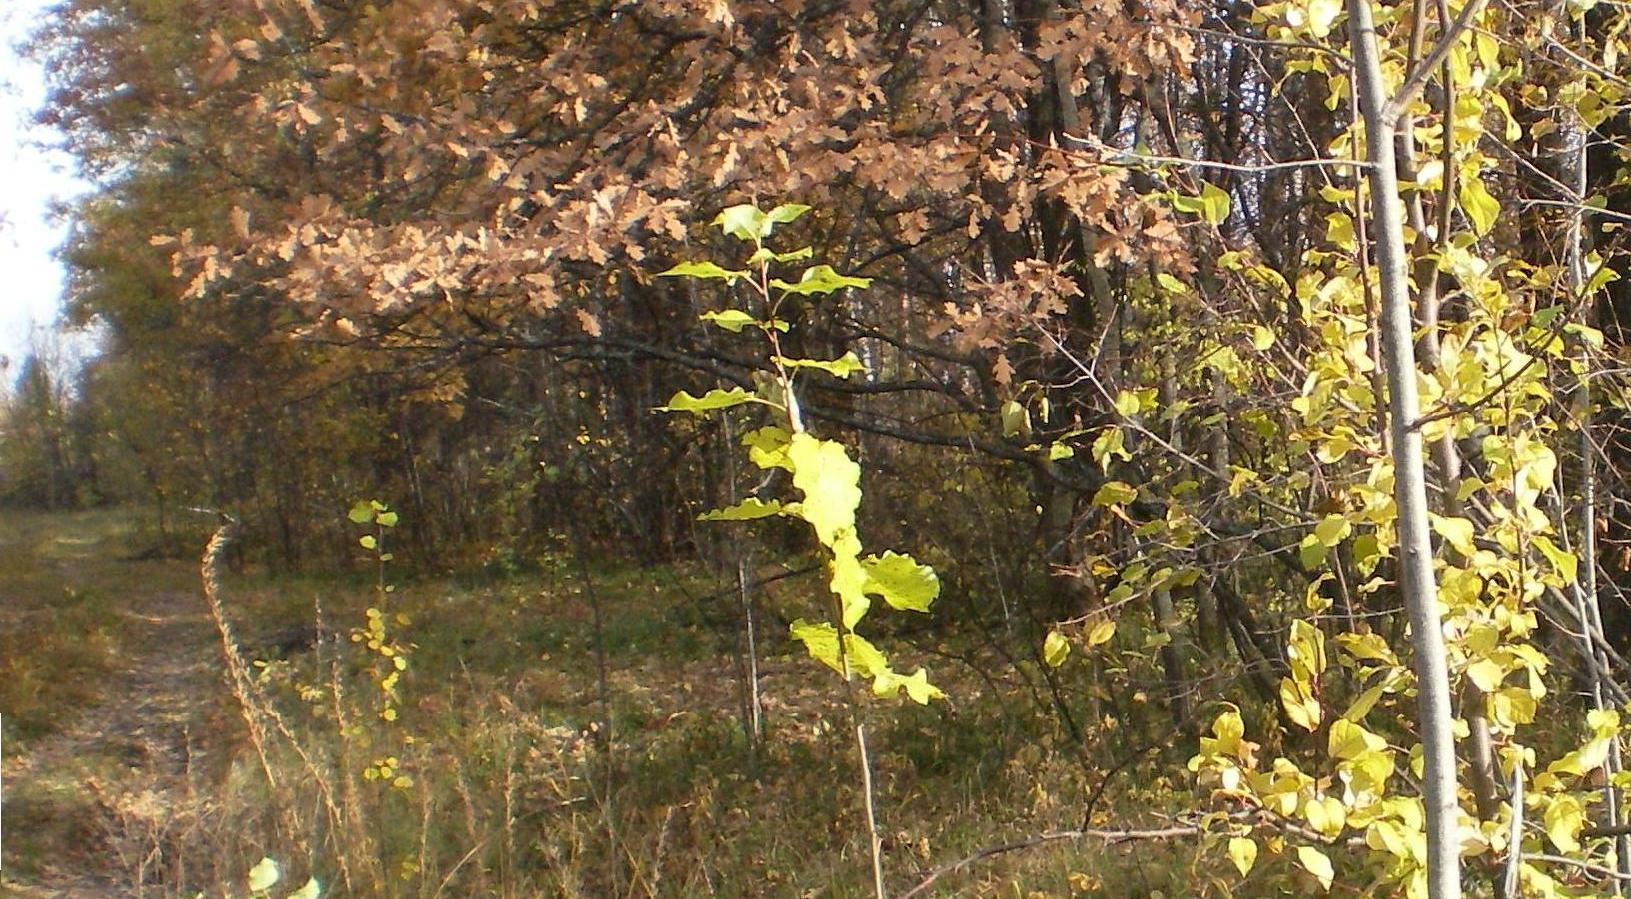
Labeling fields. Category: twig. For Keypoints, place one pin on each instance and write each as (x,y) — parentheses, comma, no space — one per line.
(1108,836)
(1588,867)
(1418,78)
(1124,157)
(1514,852)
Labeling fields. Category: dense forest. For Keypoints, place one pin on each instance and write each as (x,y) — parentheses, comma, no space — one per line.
(1201,425)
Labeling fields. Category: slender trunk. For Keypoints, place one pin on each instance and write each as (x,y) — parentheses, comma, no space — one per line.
(1590,607)
(747,652)
(1410,490)
(1481,769)
(1166,614)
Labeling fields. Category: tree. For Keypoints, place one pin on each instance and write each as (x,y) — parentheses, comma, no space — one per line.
(1156,290)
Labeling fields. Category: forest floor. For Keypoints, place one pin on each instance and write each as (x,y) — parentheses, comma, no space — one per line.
(128,772)
(108,657)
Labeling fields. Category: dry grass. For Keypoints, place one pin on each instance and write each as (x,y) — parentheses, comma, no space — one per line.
(509,786)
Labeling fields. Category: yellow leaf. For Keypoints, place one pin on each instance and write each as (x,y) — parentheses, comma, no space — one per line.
(1317,816)
(1322,14)
(1457,532)
(830,482)
(1262,338)
(1306,650)
(1486,674)
(1127,404)
(1301,708)
(1315,863)
(1055,649)
(1170,284)
(1016,420)
(1331,530)
(1101,632)
(1348,740)
(1334,816)
(1243,852)
(264,875)
(1481,208)
(1332,450)
(1566,564)
(1564,819)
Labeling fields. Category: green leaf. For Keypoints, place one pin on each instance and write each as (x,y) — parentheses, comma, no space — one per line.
(1311,552)
(1331,530)
(1214,203)
(819,279)
(263,876)
(704,271)
(863,657)
(1127,404)
(767,447)
(1315,863)
(1592,336)
(1480,207)
(821,640)
(1262,338)
(1115,493)
(1325,815)
(849,580)
(708,402)
(746,510)
(1101,632)
(1016,420)
(1565,563)
(1600,278)
(1110,444)
(901,581)
(732,320)
(842,367)
(1243,852)
(1058,452)
(1170,284)
(830,482)
(916,685)
(311,890)
(368,541)
(786,213)
(1055,649)
(1339,231)
(766,254)
(744,222)
(387,519)
(361,513)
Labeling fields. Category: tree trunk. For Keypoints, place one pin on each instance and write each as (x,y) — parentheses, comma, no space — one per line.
(1417,583)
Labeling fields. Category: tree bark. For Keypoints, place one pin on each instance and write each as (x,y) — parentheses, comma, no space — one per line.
(1416,578)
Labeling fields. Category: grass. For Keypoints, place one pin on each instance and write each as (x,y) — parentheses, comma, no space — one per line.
(503,782)
(61,581)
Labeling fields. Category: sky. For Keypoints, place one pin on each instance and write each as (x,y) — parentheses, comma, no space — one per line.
(32,176)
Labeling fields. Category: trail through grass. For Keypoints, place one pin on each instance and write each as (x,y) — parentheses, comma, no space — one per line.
(103,660)
(129,772)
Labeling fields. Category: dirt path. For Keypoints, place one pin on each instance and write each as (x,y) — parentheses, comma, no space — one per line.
(105,787)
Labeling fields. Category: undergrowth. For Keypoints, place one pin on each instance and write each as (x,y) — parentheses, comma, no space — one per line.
(497,776)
